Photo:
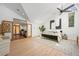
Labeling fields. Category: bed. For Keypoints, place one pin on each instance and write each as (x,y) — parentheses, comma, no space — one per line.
(53,35)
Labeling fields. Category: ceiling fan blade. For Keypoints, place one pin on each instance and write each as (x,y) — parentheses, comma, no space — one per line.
(68,7)
(59,9)
(67,11)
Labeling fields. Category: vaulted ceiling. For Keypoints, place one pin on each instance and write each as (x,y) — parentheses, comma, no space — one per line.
(17,8)
(40,11)
(35,11)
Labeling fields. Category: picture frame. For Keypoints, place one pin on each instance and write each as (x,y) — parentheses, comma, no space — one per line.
(71,19)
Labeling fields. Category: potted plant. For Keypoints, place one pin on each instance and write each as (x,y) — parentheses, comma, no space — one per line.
(42,28)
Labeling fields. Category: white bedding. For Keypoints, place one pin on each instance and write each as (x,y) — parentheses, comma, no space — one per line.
(55,33)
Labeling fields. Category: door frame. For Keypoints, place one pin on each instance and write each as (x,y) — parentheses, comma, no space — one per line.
(28,30)
(12,30)
(15,28)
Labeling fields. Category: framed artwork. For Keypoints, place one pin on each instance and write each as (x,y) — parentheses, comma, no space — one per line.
(71,19)
(59,26)
(51,21)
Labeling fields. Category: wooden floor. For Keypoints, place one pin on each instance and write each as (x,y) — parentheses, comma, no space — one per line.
(17,36)
(33,47)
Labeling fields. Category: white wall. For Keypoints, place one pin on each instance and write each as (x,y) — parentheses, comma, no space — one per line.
(35,28)
(72,32)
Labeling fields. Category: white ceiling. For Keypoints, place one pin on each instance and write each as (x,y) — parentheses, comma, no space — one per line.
(35,11)
(40,11)
(17,8)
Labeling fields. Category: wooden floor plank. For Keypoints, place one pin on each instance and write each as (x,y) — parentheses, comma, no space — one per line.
(33,47)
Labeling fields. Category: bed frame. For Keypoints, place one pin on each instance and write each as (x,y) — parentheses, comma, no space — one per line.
(52,37)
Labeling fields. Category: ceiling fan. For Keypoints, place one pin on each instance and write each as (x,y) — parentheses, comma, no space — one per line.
(66,9)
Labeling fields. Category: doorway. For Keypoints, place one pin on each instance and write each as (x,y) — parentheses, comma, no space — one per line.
(16,31)
(29,30)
